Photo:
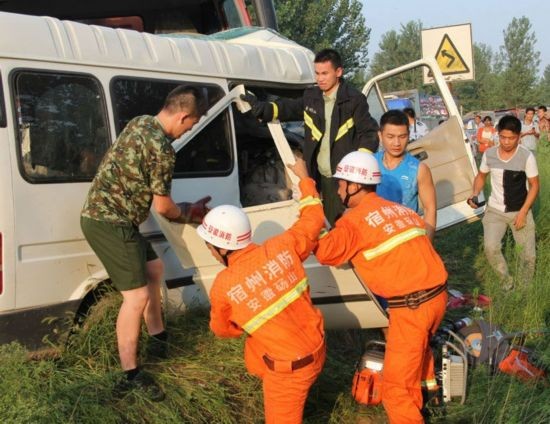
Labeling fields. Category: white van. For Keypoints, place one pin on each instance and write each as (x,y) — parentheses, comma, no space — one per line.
(68,89)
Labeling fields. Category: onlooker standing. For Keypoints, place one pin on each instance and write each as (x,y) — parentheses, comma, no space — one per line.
(417,128)
(514,188)
(529,131)
(336,119)
(136,173)
(486,135)
(404,178)
(544,122)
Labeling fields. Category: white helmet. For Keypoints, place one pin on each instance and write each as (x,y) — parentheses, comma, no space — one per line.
(226,227)
(358,167)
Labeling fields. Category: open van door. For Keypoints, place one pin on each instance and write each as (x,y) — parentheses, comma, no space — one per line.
(337,291)
(445,148)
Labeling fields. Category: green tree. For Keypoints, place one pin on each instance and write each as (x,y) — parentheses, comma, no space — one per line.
(543,90)
(397,49)
(520,63)
(337,24)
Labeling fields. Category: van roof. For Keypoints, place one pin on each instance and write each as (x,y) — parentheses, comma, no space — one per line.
(256,54)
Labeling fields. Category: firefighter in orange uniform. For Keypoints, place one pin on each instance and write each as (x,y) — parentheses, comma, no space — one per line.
(264,293)
(388,245)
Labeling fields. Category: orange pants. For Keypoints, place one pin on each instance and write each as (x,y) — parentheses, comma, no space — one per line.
(409,358)
(285,393)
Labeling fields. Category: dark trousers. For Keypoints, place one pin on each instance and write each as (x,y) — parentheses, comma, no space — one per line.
(332,205)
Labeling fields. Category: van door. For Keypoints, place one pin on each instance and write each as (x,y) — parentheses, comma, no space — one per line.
(337,291)
(445,148)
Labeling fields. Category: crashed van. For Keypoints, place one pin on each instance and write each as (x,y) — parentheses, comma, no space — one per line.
(68,89)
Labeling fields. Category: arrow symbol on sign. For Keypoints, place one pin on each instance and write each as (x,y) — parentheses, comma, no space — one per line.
(448,55)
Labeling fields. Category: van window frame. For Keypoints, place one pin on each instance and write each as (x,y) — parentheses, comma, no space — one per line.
(3,118)
(12,87)
(229,130)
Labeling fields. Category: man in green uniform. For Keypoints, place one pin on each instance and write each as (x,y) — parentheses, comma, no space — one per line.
(136,173)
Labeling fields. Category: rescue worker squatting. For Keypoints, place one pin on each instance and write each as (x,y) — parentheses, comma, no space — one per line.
(388,245)
(264,293)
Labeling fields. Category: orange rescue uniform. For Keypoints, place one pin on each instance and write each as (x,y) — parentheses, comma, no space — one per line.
(388,246)
(264,293)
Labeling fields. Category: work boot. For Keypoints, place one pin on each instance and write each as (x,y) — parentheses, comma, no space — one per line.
(143,384)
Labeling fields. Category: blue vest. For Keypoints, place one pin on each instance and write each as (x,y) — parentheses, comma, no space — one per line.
(400,185)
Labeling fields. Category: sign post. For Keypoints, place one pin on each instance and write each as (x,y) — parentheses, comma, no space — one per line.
(451,46)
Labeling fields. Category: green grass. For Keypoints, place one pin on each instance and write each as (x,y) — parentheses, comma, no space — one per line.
(206,381)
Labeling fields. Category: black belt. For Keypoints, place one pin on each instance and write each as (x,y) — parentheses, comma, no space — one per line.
(414,300)
(294,365)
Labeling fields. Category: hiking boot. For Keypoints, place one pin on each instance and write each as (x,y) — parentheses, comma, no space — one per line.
(142,384)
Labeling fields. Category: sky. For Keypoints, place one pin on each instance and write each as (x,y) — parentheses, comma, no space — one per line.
(489,18)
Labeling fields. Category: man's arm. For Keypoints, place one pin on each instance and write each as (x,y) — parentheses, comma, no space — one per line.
(479,182)
(305,230)
(366,127)
(426,193)
(338,245)
(220,313)
(519,221)
(165,206)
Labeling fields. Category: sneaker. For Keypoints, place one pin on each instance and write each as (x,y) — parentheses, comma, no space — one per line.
(143,384)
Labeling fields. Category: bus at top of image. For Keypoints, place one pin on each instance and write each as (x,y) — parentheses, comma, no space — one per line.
(158,17)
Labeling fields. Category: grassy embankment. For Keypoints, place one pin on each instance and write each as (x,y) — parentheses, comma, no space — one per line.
(205,378)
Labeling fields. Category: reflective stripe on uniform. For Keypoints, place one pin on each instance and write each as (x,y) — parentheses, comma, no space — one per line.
(323,233)
(344,128)
(309,201)
(275,111)
(393,242)
(315,132)
(429,384)
(364,149)
(272,310)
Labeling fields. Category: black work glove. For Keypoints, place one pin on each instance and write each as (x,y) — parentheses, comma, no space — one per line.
(261,110)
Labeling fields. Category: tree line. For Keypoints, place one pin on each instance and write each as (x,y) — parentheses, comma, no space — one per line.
(505,78)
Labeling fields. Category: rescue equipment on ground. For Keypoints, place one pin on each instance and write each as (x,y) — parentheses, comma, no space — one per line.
(468,343)
(367,381)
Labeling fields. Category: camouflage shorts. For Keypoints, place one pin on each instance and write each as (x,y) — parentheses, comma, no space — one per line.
(123,251)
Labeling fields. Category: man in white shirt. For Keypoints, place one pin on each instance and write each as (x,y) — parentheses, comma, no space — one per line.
(514,188)
(529,131)
(417,128)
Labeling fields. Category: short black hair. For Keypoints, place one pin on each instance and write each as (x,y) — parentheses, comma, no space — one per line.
(329,55)
(409,111)
(510,123)
(487,118)
(394,117)
(543,108)
(186,97)
(478,116)
(532,109)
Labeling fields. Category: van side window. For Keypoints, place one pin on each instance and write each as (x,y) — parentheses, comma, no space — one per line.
(209,153)
(62,126)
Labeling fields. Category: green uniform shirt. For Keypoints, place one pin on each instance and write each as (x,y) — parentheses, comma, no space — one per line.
(323,158)
(139,164)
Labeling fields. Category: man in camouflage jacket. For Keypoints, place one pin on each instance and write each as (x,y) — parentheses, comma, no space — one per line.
(136,173)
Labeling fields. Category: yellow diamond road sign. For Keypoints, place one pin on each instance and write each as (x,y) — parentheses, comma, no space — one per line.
(451,46)
(449,59)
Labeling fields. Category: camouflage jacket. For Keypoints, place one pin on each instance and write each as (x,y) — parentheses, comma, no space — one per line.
(139,164)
